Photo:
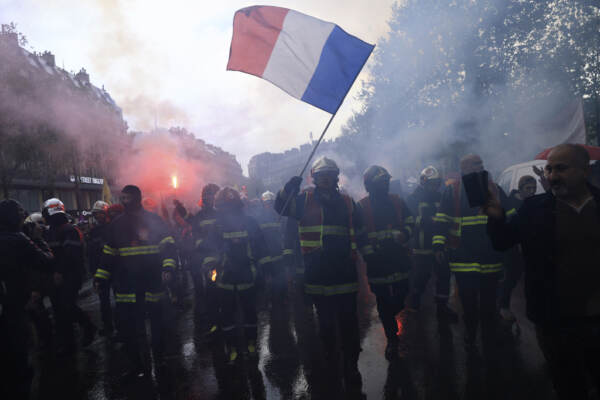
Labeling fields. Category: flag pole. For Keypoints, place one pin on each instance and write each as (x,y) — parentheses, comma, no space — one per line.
(312,153)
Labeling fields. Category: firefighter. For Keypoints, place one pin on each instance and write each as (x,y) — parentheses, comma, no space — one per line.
(424,203)
(239,250)
(20,254)
(475,264)
(388,225)
(96,240)
(66,242)
(206,304)
(327,222)
(139,256)
(271,226)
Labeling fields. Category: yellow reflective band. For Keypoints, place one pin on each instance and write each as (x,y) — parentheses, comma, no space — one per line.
(409,220)
(335,230)
(168,239)
(207,222)
(109,250)
(331,290)
(366,250)
(326,229)
(199,242)
(264,260)
(310,243)
(288,252)
(154,297)
(270,225)
(102,274)
(475,267)
(395,277)
(439,239)
(125,297)
(353,246)
(310,229)
(511,212)
(276,258)
(441,217)
(208,260)
(235,235)
(168,262)
(138,250)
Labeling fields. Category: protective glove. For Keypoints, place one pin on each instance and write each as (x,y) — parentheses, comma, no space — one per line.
(293,185)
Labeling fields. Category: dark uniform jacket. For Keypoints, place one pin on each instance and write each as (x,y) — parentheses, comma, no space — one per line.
(139,246)
(329,266)
(20,255)
(387,258)
(238,250)
(96,240)
(424,205)
(67,245)
(534,228)
(468,226)
(202,223)
(272,227)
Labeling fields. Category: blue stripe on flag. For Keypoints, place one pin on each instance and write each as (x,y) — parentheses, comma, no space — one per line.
(342,58)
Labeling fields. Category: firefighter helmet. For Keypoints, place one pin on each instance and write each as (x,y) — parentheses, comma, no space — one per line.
(52,207)
(228,198)
(268,196)
(100,206)
(35,217)
(374,174)
(324,164)
(429,173)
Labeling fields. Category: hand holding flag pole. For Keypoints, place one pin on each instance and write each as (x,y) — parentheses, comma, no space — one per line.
(312,60)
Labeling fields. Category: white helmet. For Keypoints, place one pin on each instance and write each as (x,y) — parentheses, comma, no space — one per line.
(268,196)
(100,206)
(35,217)
(429,173)
(52,207)
(324,164)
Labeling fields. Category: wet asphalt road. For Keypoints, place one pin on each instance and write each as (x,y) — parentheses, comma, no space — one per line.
(433,363)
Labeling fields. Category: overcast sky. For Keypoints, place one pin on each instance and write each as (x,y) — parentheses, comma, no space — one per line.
(165,61)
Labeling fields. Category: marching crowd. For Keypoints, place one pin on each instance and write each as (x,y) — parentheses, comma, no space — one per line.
(240,251)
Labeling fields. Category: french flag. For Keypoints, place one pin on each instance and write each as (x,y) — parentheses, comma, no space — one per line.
(313,60)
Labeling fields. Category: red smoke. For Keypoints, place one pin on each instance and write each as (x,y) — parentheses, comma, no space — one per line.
(156,161)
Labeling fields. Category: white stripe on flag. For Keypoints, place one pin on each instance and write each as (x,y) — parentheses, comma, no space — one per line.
(297,52)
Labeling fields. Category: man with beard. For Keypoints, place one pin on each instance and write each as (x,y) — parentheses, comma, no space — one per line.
(559,232)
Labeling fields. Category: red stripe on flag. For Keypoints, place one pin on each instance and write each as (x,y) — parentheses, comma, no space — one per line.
(255,31)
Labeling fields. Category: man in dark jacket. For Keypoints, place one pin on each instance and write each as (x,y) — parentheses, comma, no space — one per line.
(66,242)
(19,255)
(513,270)
(559,232)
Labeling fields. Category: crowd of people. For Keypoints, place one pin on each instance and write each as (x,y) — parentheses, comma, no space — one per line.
(241,252)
